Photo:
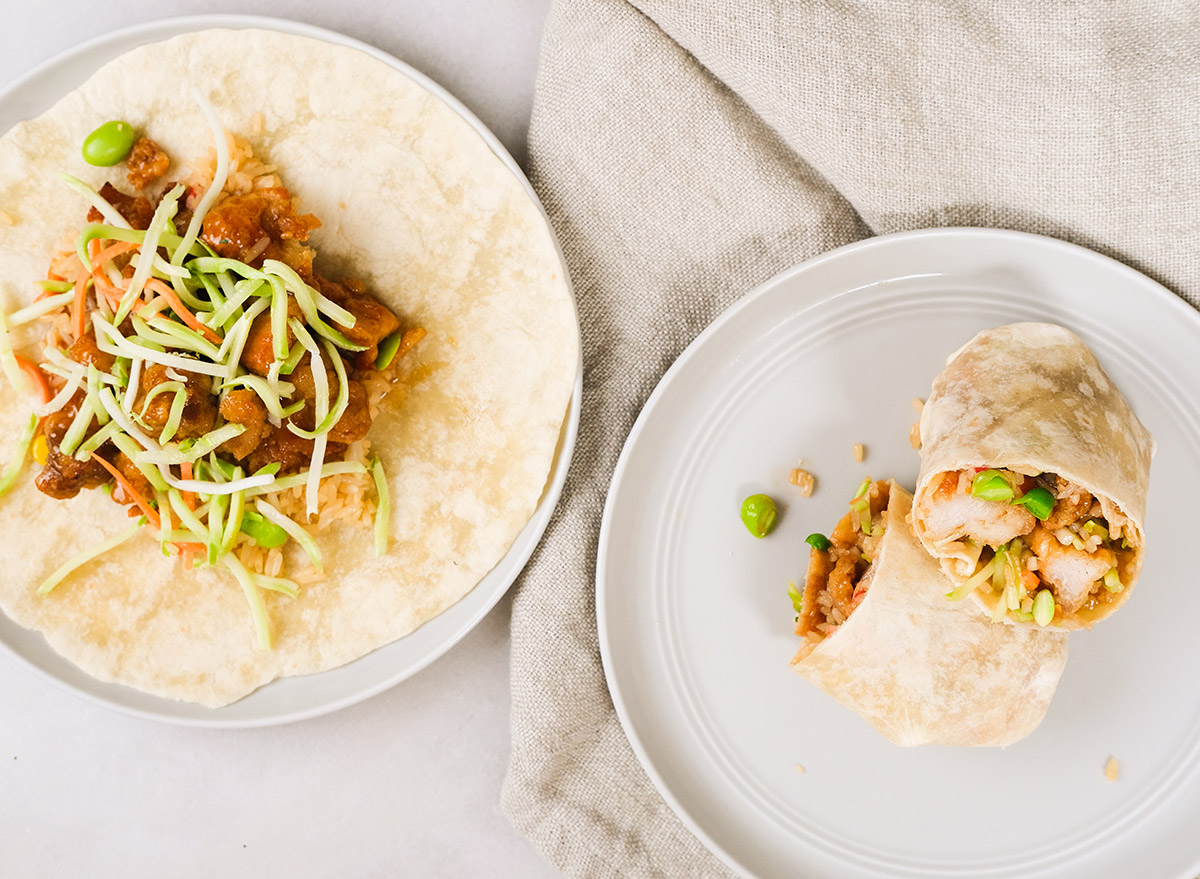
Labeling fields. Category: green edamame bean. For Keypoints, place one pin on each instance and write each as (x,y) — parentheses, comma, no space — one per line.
(818,541)
(266,534)
(109,144)
(1043,607)
(387,350)
(758,514)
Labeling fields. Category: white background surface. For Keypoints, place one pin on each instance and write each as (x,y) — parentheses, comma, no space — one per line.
(405,784)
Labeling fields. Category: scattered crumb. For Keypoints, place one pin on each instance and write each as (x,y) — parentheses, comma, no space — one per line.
(860,451)
(7,219)
(1111,768)
(918,404)
(914,435)
(256,123)
(800,768)
(803,480)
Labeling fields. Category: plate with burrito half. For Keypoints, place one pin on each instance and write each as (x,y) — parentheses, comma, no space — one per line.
(291,369)
(811,688)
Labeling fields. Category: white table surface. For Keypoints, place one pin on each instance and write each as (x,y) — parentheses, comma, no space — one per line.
(405,784)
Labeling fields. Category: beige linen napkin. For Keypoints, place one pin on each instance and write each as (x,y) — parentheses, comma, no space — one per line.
(689,151)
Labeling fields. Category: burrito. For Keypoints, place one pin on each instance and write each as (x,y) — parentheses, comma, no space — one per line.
(1034,472)
(309,333)
(880,637)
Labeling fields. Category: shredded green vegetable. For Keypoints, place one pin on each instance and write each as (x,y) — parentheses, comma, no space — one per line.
(258,610)
(796,597)
(973,582)
(383,507)
(8,360)
(292,529)
(77,561)
(18,458)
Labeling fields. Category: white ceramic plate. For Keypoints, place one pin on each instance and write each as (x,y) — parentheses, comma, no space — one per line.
(696,628)
(295,698)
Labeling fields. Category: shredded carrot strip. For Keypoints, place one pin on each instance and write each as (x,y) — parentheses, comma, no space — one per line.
(100,280)
(409,341)
(78,318)
(189,498)
(144,505)
(111,293)
(186,316)
(41,385)
(186,550)
(111,251)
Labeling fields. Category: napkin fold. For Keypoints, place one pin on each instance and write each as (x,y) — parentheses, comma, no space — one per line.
(687,152)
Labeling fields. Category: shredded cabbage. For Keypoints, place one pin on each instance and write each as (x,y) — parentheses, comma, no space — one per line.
(81,559)
(383,507)
(293,529)
(18,457)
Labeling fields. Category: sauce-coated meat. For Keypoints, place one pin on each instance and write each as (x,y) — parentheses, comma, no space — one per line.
(146,162)
(62,477)
(242,406)
(372,319)
(259,351)
(236,227)
(1073,572)
(137,210)
(291,452)
(199,408)
(131,472)
(85,350)
(355,421)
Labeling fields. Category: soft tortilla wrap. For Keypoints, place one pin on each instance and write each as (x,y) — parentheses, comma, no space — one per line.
(1033,398)
(926,671)
(414,203)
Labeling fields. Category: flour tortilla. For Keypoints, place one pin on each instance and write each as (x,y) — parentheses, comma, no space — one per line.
(1033,398)
(927,671)
(414,203)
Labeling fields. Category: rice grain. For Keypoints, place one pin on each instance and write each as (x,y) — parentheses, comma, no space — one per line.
(803,480)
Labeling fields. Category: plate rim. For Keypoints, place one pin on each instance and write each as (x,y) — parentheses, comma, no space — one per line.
(165,28)
(1166,297)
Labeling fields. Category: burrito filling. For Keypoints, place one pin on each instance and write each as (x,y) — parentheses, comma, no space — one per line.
(840,567)
(1038,547)
(199,370)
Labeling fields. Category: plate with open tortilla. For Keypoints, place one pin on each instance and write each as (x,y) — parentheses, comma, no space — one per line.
(312,334)
(696,625)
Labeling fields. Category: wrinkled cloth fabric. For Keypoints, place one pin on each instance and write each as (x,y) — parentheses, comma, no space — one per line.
(687,152)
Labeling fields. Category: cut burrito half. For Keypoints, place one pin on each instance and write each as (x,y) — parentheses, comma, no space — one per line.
(1034,472)
(880,637)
